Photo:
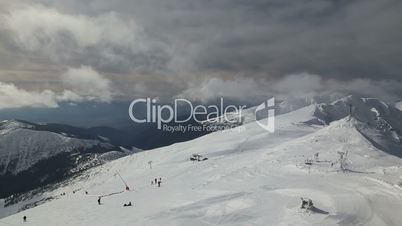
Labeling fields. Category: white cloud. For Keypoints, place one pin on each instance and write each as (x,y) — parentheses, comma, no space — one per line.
(293,86)
(305,84)
(13,97)
(87,83)
(298,84)
(37,26)
(239,88)
(82,84)
(69,96)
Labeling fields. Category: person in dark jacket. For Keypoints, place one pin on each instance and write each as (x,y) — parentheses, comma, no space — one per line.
(99,200)
(129,204)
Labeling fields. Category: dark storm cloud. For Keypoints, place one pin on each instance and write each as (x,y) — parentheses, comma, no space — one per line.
(109,42)
(335,38)
(236,40)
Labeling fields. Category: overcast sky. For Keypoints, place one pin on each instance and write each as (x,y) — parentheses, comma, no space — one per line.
(102,50)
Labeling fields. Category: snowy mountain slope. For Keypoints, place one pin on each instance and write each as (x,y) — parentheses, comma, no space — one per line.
(251,178)
(281,107)
(248,115)
(21,147)
(292,104)
(26,152)
(381,122)
(369,110)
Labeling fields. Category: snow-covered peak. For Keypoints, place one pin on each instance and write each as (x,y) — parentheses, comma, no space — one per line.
(322,110)
(292,104)
(368,110)
(8,125)
(398,105)
(281,107)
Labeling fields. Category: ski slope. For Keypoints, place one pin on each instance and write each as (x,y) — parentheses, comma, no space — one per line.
(252,177)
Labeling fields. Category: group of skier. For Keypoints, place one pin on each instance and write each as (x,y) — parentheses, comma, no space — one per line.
(153,182)
(156,181)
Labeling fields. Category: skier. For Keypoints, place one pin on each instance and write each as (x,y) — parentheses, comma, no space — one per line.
(159,182)
(86,192)
(156,181)
(99,200)
(24,218)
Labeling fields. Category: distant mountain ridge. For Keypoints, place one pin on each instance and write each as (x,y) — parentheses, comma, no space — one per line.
(33,155)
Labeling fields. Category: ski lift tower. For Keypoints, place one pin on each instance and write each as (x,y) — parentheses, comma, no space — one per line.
(350,110)
(342,160)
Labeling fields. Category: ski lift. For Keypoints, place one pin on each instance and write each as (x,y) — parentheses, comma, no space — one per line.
(343,158)
(317,156)
(127,188)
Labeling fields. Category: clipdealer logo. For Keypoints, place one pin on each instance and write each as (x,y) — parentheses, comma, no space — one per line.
(267,120)
(163,113)
(221,114)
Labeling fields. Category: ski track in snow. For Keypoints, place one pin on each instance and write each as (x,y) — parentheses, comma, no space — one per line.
(251,178)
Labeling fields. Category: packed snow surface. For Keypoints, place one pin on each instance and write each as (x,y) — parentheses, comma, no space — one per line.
(251,177)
